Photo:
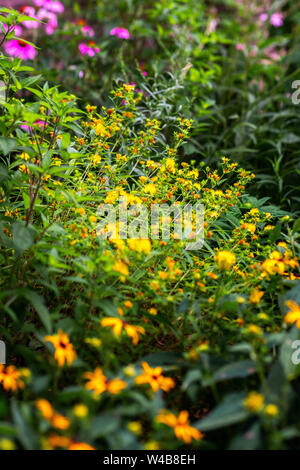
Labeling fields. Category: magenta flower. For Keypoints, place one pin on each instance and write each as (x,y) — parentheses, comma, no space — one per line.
(16,29)
(51,24)
(88,49)
(55,6)
(20,49)
(30,11)
(122,33)
(40,124)
(263,17)
(87,31)
(276,19)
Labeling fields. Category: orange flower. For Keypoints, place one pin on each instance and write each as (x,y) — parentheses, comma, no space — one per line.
(255,296)
(99,383)
(10,378)
(45,408)
(57,420)
(64,350)
(180,424)
(58,441)
(80,446)
(277,263)
(117,326)
(60,422)
(293,316)
(154,378)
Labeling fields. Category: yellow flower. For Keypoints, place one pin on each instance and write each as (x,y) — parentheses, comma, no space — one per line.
(170,165)
(93,218)
(277,263)
(250,227)
(24,156)
(152,445)
(64,350)
(10,378)
(117,326)
(129,371)
(293,316)
(96,342)
(263,316)
(225,260)
(152,311)
(141,245)
(254,329)
(255,296)
(271,410)
(150,188)
(121,268)
(135,427)
(182,428)
(154,378)
(254,402)
(100,384)
(80,410)
(100,128)
(7,444)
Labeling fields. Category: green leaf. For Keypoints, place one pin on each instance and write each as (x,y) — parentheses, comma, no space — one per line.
(7,145)
(22,237)
(230,411)
(235,370)
(38,304)
(25,434)
(250,440)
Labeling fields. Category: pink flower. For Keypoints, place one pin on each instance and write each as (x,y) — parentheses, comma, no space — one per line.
(276,19)
(30,11)
(240,46)
(212,25)
(122,33)
(55,7)
(88,49)
(263,17)
(16,29)
(40,124)
(19,48)
(88,31)
(52,23)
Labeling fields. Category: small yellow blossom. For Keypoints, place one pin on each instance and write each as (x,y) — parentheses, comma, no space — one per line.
(225,260)
(254,402)
(80,410)
(271,410)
